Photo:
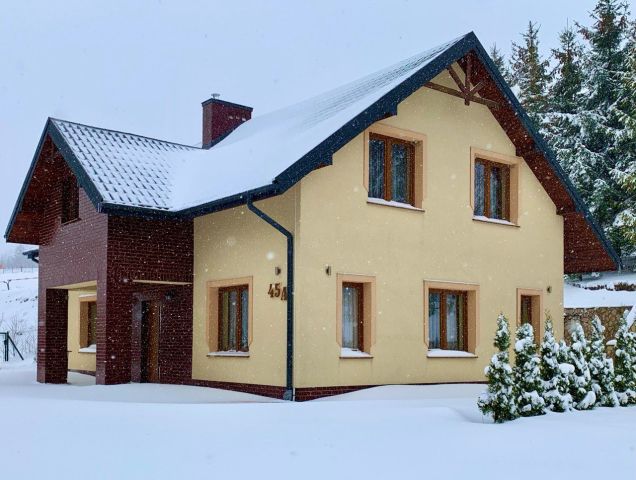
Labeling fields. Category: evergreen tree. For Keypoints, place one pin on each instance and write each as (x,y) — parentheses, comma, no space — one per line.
(527,374)
(499,399)
(601,367)
(561,128)
(556,386)
(580,379)
(625,369)
(605,153)
(500,61)
(530,74)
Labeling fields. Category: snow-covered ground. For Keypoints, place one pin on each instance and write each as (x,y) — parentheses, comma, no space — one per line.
(160,431)
(18,307)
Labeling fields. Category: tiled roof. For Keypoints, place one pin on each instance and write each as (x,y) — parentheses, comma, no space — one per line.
(136,171)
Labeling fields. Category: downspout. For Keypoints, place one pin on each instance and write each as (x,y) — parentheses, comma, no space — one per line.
(289,388)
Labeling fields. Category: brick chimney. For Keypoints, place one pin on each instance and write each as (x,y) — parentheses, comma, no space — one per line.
(220,118)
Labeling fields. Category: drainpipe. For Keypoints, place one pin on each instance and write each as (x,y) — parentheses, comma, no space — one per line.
(289,388)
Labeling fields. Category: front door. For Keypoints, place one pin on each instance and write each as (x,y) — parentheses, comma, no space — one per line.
(150,324)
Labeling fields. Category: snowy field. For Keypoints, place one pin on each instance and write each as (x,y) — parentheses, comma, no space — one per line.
(18,307)
(159,431)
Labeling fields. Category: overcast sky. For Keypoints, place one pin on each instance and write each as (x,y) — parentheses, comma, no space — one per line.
(146,66)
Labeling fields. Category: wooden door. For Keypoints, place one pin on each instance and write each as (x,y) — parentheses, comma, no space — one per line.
(150,325)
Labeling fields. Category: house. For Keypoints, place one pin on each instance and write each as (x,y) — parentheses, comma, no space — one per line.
(370,235)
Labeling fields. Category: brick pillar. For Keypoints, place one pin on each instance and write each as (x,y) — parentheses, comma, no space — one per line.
(52,336)
(114,331)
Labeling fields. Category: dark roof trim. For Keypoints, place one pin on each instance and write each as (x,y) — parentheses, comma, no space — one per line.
(33,255)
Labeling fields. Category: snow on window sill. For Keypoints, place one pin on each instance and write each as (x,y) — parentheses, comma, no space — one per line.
(233,353)
(439,353)
(387,203)
(349,353)
(89,349)
(481,218)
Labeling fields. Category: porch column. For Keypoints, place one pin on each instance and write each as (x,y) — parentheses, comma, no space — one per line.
(52,357)
(114,332)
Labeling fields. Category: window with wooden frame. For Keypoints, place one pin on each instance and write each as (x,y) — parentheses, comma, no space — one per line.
(69,200)
(233,318)
(448,320)
(391,169)
(88,323)
(492,190)
(353,316)
(529,309)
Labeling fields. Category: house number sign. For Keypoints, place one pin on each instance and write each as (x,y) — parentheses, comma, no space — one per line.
(276,290)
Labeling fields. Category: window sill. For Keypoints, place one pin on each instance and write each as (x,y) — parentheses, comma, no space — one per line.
(479,218)
(348,353)
(439,353)
(89,349)
(387,203)
(68,222)
(229,354)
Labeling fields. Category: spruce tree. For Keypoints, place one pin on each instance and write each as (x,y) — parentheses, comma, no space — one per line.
(605,153)
(556,387)
(500,61)
(625,368)
(580,379)
(530,74)
(561,128)
(527,374)
(601,367)
(499,400)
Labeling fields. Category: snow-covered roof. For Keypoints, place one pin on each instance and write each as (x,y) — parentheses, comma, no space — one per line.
(136,171)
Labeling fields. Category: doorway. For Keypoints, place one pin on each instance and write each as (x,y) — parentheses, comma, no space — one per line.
(150,327)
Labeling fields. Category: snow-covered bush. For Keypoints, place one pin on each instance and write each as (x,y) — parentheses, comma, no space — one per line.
(601,367)
(580,378)
(625,368)
(527,375)
(499,400)
(555,375)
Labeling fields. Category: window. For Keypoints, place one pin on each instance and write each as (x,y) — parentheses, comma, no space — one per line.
(233,317)
(70,200)
(529,308)
(353,316)
(451,318)
(88,323)
(492,190)
(447,320)
(391,169)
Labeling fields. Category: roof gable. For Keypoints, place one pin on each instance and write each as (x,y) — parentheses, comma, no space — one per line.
(130,174)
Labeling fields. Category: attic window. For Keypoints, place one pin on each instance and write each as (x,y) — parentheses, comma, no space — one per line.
(391,169)
(70,200)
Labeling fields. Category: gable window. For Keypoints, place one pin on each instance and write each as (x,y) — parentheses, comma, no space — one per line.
(70,200)
(447,320)
(233,316)
(88,324)
(391,169)
(353,316)
(492,190)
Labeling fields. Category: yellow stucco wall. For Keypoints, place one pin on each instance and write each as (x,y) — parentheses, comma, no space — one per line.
(403,248)
(334,225)
(77,360)
(232,244)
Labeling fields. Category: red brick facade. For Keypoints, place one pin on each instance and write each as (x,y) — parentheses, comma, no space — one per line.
(116,253)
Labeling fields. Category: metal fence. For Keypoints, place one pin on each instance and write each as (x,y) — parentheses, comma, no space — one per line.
(19,270)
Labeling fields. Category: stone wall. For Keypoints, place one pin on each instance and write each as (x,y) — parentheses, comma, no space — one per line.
(609,316)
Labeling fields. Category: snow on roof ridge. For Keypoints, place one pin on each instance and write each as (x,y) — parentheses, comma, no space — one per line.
(110,130)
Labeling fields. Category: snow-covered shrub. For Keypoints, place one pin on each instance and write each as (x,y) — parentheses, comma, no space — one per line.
(580,378)
(556,385)
(527,374)
(499,400)
(625,368)
(601,367)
